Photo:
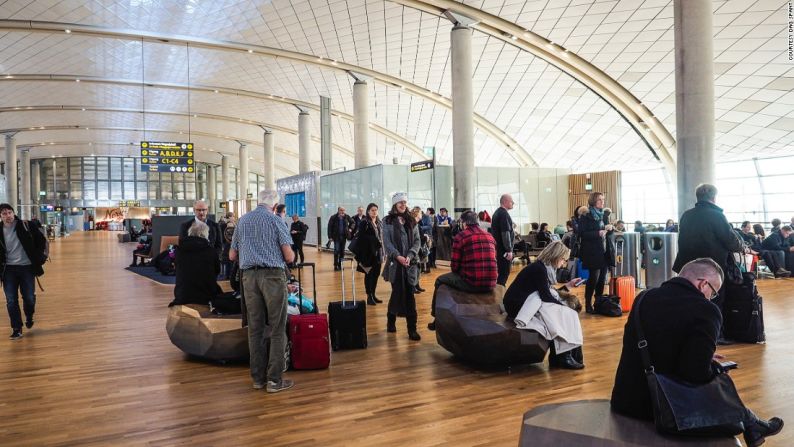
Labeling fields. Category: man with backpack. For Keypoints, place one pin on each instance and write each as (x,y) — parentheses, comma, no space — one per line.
(21,260)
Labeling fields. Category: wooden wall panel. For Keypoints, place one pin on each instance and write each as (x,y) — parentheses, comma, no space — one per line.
(607,182)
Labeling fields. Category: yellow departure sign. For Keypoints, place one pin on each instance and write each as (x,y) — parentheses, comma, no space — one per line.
(157,156)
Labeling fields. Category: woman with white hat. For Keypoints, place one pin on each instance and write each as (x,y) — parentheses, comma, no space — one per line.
(401,242)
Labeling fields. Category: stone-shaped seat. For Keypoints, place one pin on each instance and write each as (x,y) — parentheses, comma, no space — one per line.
(196,331)
(591,423)
(473,327)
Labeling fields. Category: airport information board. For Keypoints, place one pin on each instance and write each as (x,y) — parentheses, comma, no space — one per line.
(167,157)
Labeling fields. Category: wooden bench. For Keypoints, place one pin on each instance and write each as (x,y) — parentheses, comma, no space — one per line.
(591,423)
(165,241)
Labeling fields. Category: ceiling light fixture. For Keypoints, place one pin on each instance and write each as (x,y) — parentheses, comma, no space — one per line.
(67,31)
(9,77)
(76,80)
(250,51)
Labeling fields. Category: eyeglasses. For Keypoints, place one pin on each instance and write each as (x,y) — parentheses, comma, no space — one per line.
(714,292)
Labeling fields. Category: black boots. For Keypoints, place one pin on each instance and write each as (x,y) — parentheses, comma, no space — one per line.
(375,299)
(391,323)
(371,300)
(572,359)
(755,433)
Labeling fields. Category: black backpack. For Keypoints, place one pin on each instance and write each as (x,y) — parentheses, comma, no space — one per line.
(608,305)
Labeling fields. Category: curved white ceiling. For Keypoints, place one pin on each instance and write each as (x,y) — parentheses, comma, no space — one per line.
(557,120)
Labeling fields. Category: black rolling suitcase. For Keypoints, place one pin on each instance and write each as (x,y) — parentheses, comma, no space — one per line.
(348,319)
(743,311)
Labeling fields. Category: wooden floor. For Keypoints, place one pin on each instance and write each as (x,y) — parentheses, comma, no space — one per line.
(98,370)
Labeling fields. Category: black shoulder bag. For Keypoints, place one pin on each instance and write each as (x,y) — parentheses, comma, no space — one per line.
(682,408)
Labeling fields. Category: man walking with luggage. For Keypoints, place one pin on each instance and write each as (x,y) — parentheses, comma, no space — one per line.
(20,259)
(502,229)
(340,230)
(261,242)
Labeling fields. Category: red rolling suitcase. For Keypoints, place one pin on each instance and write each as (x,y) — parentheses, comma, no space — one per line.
(310,346)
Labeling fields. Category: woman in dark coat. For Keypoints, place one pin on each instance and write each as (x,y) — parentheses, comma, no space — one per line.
(593,251)
(401,244)
(369,251)
(544,236)
(197,267)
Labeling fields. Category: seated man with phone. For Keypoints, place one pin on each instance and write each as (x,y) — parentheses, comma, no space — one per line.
(680,324)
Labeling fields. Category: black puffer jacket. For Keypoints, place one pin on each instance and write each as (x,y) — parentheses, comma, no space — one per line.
(704,232)
(197,267)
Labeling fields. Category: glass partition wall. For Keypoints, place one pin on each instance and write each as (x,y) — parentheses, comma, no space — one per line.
(104,181)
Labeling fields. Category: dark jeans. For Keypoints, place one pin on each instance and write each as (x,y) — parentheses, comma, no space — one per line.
(455,281)
(339,251)
(772,259)
(503,267)
(371,279)
(18,277)
(595,283)
(431,257)
(297,247)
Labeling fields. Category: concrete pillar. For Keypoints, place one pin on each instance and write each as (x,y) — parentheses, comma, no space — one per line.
(35,177)
(270,160)
(242,183)
(24,180)
(54,179)
(12,185)
(462,119)
(361,146)
(224,178)
(694,97)
(211,188)
(304,143)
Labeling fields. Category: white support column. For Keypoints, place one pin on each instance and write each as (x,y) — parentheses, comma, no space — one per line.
(35,177)
(304,143)
(242,182)
(270,160)
(25,206)
(224,178)
(694,97)
(12,185)
(462,119)
(361,146)
(55,179)
(212,186)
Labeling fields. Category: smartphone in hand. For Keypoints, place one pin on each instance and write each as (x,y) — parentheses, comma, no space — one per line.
(580,282)
(729,365)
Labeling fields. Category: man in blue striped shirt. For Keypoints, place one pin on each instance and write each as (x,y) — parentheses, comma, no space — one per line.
(262,244)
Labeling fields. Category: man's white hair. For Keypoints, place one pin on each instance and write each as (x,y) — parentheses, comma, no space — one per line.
(267,197)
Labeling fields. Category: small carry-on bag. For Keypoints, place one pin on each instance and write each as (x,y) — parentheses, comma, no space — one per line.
(348,318)
(622,285)
(308,333)
(743,311)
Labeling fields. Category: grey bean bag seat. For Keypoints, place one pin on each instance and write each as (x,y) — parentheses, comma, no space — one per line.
(474,328)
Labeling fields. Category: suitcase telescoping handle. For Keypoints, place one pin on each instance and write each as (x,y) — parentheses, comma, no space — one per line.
(353,275)
(300,268)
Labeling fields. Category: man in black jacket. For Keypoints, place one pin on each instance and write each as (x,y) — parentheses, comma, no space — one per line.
(21,260)
(704,232)
(201,211)
(681,327)
(298,231)
(503,233)
(340,230)
(778,241)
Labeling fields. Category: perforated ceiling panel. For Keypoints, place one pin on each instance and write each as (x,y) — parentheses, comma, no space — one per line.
(553,118)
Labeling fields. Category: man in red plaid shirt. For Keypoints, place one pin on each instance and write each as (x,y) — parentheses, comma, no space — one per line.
(473,261)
